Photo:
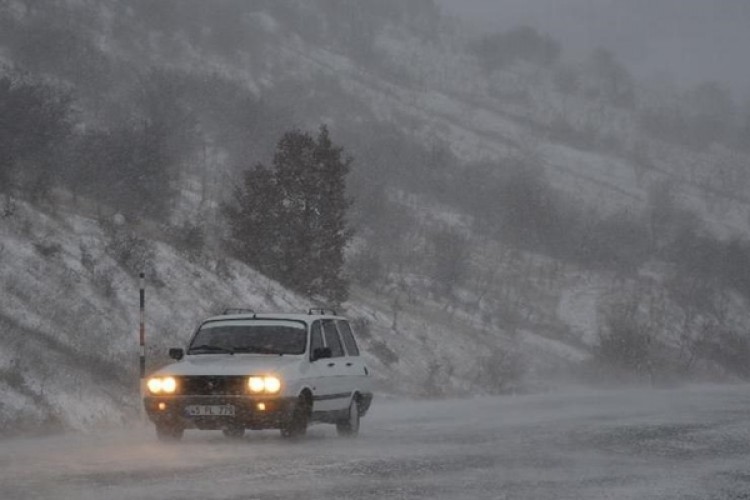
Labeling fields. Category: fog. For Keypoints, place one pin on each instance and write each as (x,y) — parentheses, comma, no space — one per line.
(682,41)
(543,256)
(514,213)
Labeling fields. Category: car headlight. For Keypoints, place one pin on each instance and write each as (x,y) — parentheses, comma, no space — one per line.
(162,385)
(268,385)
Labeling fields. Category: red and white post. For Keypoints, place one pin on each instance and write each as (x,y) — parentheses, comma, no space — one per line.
(142,333)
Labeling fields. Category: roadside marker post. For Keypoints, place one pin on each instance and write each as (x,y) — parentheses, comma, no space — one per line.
(142,339)
(143,327)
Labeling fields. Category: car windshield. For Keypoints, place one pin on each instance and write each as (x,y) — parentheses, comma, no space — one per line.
(250,336)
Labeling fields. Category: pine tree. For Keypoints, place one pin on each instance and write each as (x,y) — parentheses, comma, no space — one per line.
(126,167)
(290,221)
(36,121)
(332,232)
(253,219)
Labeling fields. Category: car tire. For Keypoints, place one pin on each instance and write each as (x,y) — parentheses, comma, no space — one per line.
(169,433)
(350,426)
(296,425)
(234,432)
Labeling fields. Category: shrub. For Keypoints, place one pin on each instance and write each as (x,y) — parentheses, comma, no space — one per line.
(522,43)
(87,260)
(449,264)
(729,349)
(104,283)
(612,80)
(365,267)
(625,342)
(133,253)
(9,206)
(222,269)
(384,353)
(501,370)
(362,327)
(189,239)
(47,250)
(35,123)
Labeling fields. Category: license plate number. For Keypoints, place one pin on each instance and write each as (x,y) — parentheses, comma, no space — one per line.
(210,410)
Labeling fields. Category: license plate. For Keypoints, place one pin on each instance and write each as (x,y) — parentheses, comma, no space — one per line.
(210,410)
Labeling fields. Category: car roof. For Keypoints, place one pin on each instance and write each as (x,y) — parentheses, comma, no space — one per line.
(306,318)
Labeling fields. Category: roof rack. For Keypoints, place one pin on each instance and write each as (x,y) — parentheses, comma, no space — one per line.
(322,311)
(238,310)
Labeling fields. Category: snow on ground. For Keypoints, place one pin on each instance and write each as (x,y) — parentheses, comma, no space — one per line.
(555,348)
(71,317)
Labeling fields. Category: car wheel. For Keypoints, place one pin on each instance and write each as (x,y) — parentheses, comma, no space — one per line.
(296,424)
(169,433)
(350,426)
(234,432)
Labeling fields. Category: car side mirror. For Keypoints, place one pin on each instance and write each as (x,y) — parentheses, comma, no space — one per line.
(176,353)
(321,353)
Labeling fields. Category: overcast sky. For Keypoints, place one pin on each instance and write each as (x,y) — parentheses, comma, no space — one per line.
(689,40)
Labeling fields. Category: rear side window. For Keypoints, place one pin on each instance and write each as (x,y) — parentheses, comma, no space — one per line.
(346,334)
(316,338)
(332,339)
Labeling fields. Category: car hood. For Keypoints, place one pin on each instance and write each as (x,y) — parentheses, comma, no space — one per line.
(228,364)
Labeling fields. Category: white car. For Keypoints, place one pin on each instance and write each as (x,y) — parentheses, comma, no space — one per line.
(244,370)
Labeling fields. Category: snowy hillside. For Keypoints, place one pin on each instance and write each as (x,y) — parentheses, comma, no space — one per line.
(70,322)
(430,129)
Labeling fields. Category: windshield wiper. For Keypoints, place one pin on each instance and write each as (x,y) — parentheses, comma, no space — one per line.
(207,347)
(259,350)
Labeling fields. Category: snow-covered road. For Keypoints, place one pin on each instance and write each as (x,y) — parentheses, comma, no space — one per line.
(686,443)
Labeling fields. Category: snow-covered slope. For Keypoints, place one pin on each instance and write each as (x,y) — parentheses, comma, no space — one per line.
(69,317)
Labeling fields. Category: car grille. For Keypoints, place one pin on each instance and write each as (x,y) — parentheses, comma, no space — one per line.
(211,386)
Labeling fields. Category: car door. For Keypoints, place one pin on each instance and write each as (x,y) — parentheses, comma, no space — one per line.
(319,374)
(336,376)
(356,370)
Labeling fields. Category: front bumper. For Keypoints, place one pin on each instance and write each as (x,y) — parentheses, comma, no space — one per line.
(172,411)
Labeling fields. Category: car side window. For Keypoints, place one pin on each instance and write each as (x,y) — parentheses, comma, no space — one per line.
(346,334)
(332,338)
(316,338)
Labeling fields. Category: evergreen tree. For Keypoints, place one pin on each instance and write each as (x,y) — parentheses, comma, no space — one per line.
(253,219)
(332,231)
(290,222)
(614,81)
(35,125)
(127,168)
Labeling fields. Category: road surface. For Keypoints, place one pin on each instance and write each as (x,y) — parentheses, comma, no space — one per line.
(691,443)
